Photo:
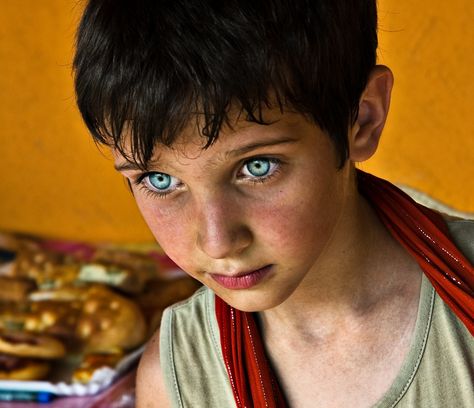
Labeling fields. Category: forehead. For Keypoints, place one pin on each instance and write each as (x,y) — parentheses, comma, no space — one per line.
(236,134)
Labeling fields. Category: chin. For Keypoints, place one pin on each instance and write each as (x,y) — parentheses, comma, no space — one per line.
(251,301)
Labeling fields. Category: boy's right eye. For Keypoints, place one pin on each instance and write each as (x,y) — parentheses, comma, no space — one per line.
(159,183)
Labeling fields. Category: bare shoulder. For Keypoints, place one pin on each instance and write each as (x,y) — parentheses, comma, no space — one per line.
(150,387)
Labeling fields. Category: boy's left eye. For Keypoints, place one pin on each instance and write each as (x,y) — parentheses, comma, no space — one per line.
(259,168)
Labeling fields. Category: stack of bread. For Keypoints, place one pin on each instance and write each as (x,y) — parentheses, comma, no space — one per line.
(91,306)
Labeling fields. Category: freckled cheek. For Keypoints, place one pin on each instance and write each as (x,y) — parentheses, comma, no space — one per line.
(295,228)
(171,229)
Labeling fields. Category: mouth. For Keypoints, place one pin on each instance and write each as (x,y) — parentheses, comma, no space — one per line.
(244,280)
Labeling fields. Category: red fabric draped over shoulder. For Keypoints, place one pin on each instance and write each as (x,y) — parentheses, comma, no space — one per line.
(424,234)
(251,377)
(421,231)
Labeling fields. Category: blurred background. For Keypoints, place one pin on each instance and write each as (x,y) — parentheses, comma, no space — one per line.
(54,181)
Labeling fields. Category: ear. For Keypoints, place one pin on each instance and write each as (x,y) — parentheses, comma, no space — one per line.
(373,110)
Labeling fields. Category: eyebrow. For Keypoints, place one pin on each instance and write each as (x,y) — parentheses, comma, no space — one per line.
(231,153)
(253,146)
(126,166)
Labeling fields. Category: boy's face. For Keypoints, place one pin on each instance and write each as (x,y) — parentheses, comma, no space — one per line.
(250,216)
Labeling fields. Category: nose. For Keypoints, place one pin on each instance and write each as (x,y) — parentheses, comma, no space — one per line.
(222,231)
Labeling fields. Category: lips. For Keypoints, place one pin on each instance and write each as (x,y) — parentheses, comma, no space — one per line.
(244,280)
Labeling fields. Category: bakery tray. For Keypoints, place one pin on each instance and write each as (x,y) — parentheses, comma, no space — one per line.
(43,391)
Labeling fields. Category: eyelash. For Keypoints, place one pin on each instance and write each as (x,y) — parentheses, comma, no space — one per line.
(139,181)
(263,179)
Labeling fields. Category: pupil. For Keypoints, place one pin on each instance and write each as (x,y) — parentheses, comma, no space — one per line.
(259,167)
(160,181)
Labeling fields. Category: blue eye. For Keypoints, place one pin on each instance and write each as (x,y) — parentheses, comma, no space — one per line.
(258,167)
(160,181)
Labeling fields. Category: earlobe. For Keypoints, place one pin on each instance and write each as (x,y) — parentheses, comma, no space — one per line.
(373,110)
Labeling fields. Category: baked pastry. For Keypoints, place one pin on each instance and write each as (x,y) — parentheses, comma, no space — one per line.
(94,361)
(123,270)
(13,315)
(55,318)
(112,275)
(65,294)
(31,261)
(47,268)
(15,289)
(135,261)
(7,260)
(109,321)
(58,275)
(24,344)
(16,368)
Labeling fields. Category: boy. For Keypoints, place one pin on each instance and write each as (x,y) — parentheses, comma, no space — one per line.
(238,124)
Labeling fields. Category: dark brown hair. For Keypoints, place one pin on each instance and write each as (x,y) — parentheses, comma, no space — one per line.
(152,65)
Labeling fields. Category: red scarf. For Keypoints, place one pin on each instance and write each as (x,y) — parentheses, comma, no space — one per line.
(420,230)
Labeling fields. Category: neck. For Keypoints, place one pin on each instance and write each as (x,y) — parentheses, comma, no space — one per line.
(361,271)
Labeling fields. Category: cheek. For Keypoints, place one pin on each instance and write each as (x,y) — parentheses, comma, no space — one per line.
(301,221)
(293,229)
(170,228)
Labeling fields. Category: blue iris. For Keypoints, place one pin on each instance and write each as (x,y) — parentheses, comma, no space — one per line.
(161,181)
(258,167)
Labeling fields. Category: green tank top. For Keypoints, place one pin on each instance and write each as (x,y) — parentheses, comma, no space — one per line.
(438,371)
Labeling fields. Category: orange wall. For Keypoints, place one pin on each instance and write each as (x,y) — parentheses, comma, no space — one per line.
(428,143)
(54,181)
